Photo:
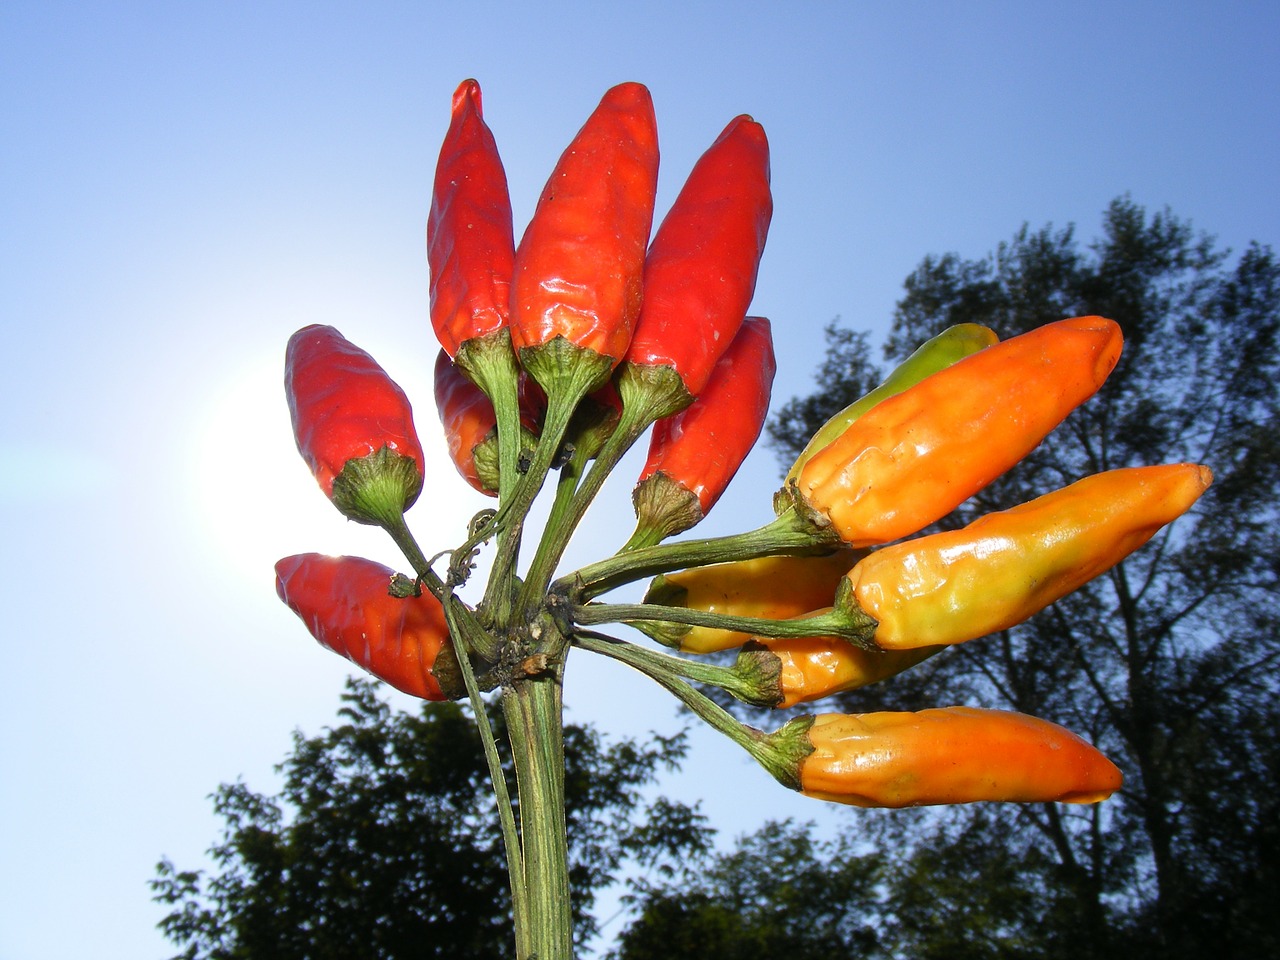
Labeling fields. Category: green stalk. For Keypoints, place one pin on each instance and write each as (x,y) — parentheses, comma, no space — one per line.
(462,634)
(779,752)
(535,724)
(837,622)
(756,689)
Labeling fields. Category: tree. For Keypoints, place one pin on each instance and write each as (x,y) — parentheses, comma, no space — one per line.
(383,842)
(779,893)
(1169,662)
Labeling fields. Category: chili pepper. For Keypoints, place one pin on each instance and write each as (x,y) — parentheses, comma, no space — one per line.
(1004,567)
(468,419)
(700,271)
(811,668)
(578,268)
(775,588)
(911,459)
(950,346)
(951,755)
(353,426)
(470,243)
(695,453)
(345,604)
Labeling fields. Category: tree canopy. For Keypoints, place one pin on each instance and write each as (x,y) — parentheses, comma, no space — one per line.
(1168,663)
(383,842)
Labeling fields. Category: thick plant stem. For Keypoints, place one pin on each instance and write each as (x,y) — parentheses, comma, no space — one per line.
(533,708)
(790,533)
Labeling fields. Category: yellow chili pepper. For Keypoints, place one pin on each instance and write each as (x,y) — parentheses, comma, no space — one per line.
(1002,568)
(951,755)
(775,588)
(816,667)
(950,346)
(913,458)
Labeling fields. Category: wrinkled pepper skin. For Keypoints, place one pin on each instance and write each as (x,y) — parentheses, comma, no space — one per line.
(699,449)
(812,668)
(773,588)
(951,755)
(1004,567)
(950,346)
(345,604)
(913,458)
(579,266)
(470,242)
(700,270)
(344,407)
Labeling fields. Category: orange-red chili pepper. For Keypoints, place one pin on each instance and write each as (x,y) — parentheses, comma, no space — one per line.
(1004,567)
(950,346)
(916,456)
(470,242)
(353,425)
(951,755)
(579,266)
(345,604)
(772,588)
(695,453)
(811,668)
(700,271)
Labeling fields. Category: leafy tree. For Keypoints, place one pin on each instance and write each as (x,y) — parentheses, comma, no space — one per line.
(383,842)
(779,893)
(1169,662)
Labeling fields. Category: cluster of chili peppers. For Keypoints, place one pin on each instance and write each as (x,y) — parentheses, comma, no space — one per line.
(559,352)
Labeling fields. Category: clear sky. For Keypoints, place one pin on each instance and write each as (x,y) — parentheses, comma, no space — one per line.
(187,183)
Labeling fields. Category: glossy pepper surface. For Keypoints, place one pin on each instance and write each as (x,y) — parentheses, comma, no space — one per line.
(950,346)
(913,458)
(579,266)
(348,414)
(951,755)
(470,243)
(1004,567)
(346,607)
(700,269)
(773,588)
(811,668)
(695,453)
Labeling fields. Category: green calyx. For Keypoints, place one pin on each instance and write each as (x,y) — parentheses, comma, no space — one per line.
(377,489)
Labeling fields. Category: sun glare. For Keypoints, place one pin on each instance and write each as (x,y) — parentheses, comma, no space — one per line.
(269,506)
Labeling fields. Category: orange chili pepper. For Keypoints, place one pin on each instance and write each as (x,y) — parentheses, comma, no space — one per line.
(579,266)
(345,604)
(470,242)
(773,588)
(812,668)
(1004,567)
(913,458)
(951,755)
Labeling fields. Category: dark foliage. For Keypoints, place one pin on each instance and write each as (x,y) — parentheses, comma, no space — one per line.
(383,842)
(1169,663)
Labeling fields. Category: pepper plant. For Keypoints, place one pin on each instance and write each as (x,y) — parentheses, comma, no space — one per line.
(559,353)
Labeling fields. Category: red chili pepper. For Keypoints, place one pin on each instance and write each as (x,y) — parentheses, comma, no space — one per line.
(700,271)
(470,243)
(950,755)
(353,426)
(695,453)
(471,425)
(345,604)
(579,266)
(914,457)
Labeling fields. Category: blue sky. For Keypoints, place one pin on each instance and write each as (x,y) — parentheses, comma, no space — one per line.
(186,184)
